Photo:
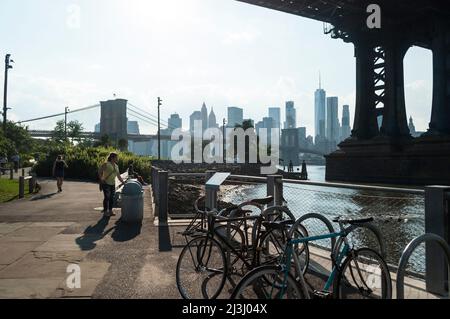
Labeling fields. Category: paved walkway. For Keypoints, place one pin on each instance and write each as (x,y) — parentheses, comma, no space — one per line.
(40,238)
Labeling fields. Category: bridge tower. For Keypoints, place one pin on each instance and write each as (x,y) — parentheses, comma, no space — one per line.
(113,119)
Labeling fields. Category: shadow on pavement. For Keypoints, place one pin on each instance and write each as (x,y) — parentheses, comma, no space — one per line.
(92,234)
(122,232)
(126,231)
(43,196)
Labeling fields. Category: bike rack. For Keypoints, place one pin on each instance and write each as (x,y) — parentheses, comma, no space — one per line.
(408,252)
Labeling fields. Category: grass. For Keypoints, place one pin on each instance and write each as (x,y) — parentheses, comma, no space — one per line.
(9,190)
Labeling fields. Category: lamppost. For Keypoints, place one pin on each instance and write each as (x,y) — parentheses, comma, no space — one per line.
(8,66)
(159,128)
(66,110)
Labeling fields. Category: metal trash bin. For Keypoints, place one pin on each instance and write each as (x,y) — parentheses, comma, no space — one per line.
(132,202)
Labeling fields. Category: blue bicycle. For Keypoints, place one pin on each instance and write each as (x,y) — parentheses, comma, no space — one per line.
(356,273)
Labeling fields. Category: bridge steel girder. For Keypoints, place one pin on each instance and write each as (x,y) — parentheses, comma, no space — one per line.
(440,113)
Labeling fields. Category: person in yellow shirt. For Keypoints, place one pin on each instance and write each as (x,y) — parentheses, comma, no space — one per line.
(108,173)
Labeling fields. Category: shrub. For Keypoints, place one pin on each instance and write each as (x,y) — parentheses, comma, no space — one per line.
(84,162)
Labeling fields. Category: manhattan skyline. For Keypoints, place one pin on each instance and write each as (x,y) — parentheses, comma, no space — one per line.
(223,52)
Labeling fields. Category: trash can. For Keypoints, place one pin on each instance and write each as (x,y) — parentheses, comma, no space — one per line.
(132,202)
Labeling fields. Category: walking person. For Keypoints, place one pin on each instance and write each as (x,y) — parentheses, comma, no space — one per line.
(16,160)
(107,174)
(59,167)
(3,162)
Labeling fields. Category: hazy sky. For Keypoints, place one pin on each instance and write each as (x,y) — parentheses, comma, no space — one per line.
(221,52)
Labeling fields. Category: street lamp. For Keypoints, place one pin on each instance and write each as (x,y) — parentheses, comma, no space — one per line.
(8,66)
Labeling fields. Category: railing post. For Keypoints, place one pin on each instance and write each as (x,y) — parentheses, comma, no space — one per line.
(31,184)
(437,222)
(21,187)
(23,172)
(211,194)
(271,187)
(163,207)
(278,190)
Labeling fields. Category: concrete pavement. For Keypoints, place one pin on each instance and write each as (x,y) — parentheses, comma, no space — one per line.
(42,236)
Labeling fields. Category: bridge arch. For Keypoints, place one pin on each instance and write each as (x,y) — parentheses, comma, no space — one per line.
(418,76)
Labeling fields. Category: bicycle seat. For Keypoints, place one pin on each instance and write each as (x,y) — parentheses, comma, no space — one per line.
(353,221)
(280,225)
(263,201)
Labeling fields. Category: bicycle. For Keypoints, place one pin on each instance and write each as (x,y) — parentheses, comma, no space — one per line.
(346,278)
(211,257)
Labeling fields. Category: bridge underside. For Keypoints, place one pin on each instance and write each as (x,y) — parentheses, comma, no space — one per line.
(387,153)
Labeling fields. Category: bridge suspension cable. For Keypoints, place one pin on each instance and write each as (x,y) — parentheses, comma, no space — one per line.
(60,114)
(148,116)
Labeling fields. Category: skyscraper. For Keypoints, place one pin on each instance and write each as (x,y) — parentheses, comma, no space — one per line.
(196,116)
(204,112)
(346,131)
(320,111)
(212,121)
(332,120)
(133,127)
(175,122)
(291,116)
(275,114)
(235,116)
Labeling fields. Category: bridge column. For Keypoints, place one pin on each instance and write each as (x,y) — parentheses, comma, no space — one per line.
(395,123)
(365,123)
(440,114)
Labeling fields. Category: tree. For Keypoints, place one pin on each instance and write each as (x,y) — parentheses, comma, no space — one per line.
(59,132)
(123,144)
(74,130)
(18,138)
(105,141)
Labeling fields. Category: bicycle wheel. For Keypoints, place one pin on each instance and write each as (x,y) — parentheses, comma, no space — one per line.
(201,269)
(267,282)
(363,275)
(235,237)
(273,243)
(364,236)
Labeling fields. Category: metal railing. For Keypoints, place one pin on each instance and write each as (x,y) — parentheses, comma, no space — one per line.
(412,246)
(401,214)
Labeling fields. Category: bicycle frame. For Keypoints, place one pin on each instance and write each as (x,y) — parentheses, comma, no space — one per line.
(340,256)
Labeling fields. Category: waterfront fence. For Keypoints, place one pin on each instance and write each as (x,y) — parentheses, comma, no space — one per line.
(399,213)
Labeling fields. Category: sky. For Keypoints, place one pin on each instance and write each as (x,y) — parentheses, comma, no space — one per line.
(221,52)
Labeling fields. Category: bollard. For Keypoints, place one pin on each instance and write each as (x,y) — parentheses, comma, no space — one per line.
(436,222)
(23,172)
(21,187)
(31,184)
(163,207)
(11,174)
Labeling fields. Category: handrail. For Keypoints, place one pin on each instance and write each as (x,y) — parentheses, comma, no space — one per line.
(311,183)
(408,252)
(356,186)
